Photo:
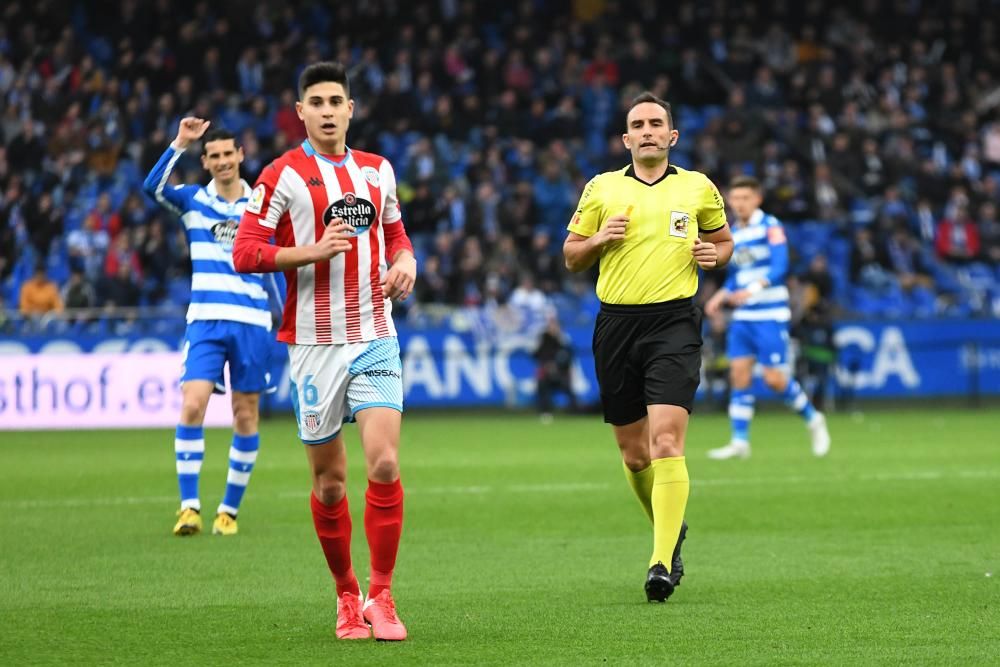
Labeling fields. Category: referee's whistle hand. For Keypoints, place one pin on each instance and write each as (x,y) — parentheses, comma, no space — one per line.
(705,254)
(613,229)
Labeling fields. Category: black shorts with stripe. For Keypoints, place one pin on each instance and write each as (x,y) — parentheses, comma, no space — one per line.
(647,354)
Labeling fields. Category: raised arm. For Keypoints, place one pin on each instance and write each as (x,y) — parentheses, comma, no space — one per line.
(174,199)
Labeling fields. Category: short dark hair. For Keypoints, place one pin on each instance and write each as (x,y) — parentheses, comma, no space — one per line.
(322,72)
(746,182)
(217,134)
(645,97)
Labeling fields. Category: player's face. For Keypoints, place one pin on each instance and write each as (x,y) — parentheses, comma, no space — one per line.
(222,160)
(326,112)
(743,202)
(649,136)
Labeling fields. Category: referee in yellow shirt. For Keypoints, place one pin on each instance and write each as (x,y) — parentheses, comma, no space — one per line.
(651,225)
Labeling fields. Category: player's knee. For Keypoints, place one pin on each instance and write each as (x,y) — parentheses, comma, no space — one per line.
(192,410)
(667,444)
(739,378)
(384,467)
(245,417)
(775,380)
(329,489)
(636,462)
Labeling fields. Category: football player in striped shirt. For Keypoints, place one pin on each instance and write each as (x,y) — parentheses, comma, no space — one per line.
(340,241)
(229,319)
(758,332)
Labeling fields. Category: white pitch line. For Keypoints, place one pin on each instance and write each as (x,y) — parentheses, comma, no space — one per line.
(569,487)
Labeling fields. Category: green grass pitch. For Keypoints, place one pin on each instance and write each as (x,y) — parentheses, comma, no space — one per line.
(522,545)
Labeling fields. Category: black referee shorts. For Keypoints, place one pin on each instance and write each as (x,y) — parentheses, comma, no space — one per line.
(647,355)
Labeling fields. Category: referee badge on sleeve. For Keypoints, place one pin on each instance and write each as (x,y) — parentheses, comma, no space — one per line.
(679,224)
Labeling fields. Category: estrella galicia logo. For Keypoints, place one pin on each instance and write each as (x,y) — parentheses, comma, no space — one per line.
(225,233)
(358,213)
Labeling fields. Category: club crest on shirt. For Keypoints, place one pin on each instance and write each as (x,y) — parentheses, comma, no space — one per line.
(743,256)
(357,212)
(679,224)
(256,203)
(225,233)
(371,175)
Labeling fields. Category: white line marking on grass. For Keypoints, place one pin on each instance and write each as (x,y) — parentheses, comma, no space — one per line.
(58,503)
(298,494)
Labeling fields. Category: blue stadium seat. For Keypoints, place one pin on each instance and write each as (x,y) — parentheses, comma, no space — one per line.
(924,302)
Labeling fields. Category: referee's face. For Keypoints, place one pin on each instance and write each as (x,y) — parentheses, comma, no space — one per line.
(649,135)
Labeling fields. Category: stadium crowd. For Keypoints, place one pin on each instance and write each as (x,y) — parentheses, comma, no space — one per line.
(874,127)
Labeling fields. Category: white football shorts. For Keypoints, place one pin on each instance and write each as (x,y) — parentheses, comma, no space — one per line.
(332,383)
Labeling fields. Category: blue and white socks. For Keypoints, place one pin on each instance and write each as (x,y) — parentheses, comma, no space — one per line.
(741,408)
(797,399)
(242,456)
(189,448)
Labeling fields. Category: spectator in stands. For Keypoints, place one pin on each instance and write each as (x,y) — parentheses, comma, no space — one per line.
(818,282)
(829,119)
(155,258)
(87,248)
(867,268)
(43,221)
(989,232)
(957,238)
(104,216)
(121,290)
(78,292)
(906,260)
(532,306)
(39,295)
(554,356)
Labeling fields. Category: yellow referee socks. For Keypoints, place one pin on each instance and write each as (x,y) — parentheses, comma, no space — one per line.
(669,500)
(642,484)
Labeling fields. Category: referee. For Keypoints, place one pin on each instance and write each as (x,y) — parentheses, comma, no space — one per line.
(650,225)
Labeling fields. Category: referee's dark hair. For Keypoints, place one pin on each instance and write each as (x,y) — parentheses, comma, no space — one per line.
(746,182)
(217,134)
(647,96)
(321,72)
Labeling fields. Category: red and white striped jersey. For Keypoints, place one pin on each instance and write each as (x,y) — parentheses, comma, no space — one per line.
(295,197)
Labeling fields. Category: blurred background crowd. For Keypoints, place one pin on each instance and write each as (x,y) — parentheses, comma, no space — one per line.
(874,126)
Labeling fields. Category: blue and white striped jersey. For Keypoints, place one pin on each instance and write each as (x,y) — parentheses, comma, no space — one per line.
(218,292)
(760,250)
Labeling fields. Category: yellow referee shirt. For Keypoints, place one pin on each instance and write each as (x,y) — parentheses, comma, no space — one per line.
(654,262)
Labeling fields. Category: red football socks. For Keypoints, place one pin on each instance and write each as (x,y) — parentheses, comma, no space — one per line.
(333,528)
(383,526)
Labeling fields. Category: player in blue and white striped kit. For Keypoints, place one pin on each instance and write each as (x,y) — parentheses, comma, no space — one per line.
(758,331)
(229,319)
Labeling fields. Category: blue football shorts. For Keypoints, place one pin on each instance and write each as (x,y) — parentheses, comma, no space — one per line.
(765,340)
(210,344)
